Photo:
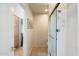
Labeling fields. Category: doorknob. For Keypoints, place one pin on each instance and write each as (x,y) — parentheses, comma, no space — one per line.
(57,30)
(13,49)
(59,11)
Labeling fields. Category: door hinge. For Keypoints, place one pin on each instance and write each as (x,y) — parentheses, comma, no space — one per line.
(13,49)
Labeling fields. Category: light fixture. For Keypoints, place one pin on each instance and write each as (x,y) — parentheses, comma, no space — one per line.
(12,9)
(46,10)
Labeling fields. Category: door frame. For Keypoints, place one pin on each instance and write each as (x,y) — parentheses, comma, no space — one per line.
(14,10)
(55,9)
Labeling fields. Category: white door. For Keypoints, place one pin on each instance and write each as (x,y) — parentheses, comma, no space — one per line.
(12,29)
(52,42)
(16,13)
(7,12)
(61,26)
(5,30)
(59,33)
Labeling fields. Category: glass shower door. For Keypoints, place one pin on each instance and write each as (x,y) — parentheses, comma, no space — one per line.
(52,42)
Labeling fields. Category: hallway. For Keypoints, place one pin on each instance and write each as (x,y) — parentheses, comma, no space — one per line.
(40,29)
(38,34)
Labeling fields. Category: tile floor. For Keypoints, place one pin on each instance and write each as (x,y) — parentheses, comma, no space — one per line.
(36,51)
(18,52)
(39,51)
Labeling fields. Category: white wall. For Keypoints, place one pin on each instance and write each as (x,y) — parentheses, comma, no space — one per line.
(4,13)
(28,14)
(78,31)
(6,31)
(71,48)
(40,30)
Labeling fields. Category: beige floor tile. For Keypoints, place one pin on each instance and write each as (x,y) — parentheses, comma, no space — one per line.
(18,51)
(39,51)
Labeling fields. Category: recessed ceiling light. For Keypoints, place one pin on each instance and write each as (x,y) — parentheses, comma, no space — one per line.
(46,10)
(12,9)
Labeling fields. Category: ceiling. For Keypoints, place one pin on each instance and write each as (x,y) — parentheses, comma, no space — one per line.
(39,7)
